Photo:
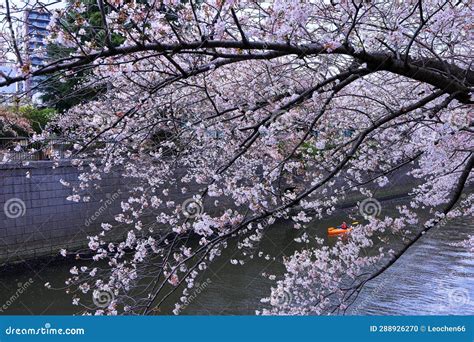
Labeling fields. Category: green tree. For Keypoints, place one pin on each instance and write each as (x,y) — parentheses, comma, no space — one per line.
(38,117)
(62,92)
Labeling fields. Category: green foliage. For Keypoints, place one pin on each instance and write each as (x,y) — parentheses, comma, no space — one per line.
(62,92)
(38,117)
(309,149)
(64,95)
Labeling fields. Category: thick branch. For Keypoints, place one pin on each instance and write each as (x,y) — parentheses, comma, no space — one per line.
(423,70)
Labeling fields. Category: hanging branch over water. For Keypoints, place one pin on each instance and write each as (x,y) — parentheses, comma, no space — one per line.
(229,115)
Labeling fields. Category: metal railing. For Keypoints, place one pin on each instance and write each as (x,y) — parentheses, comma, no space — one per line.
(19,149)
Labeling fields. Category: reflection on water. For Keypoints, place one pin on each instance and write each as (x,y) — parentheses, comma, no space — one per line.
(433,277)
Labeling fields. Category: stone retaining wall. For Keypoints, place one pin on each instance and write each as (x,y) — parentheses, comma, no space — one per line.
(37,219)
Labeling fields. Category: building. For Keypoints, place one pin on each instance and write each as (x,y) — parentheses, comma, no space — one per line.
(36,23)
(9,71)
(8,94)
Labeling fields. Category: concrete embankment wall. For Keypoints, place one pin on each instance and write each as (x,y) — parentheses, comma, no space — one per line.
(37,220)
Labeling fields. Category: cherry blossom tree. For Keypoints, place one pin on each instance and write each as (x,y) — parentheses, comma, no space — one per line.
(276,110)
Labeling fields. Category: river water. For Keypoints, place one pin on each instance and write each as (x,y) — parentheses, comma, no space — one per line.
(432,277)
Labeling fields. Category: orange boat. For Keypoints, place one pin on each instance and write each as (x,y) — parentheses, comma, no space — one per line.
(336,231)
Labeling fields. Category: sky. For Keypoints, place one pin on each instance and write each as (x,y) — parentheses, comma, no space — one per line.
(20,4)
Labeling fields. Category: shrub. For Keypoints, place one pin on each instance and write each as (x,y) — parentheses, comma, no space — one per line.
(37,117)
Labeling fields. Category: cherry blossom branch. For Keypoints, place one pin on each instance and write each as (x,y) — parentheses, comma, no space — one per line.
(456,195)
(376,61)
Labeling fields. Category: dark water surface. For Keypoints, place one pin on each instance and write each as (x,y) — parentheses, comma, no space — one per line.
(432,277)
